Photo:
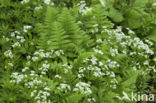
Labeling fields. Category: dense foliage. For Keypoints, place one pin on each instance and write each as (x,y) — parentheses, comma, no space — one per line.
(76,51)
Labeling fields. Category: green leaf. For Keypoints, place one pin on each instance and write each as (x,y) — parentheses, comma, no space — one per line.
(140,3)
(152,35)
(133,19)
(74,98)
(115,15)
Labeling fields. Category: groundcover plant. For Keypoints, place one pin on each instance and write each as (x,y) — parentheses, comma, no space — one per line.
(77,51)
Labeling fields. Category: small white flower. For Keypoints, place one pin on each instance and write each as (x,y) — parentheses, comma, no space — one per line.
(100,64)
(57,53)
(38,7)
(8,54)
(94,60)
(146,63)
(47,2)
(17,44)
(99,41)
(46,65)
(83,88)
(25,1)
(47,89)
(26,28)
(134,68)
(58,76)
(10,64)
(34,58)
(13,34)
(79,22)
(22,40)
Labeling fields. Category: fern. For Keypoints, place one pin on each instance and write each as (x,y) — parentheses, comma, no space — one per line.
(76,35)
(96,21)
(60,31)
(58,40)
(44,29)
(52,35)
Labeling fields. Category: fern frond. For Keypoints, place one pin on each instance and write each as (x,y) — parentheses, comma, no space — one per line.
(57,39)
(76,35)
(96,20)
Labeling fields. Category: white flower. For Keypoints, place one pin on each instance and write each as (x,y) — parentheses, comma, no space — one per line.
(22,40)
(24,69)
(17,44)
(98,51)
(38,7)
(61,51)
(58,76)
(13,34)
(25,1)
(113,52)
(112,74)
(47,89)
(94,60)
(99,41)
(83,88)
(130,31)
(26,28)
(10,64)
(83,9)
(96,74)
(46,65)
(79,22)
(64,86)
(57,53)
(134,68)
(100,64)
(8,54)
(17,78)
(146,63)
(34,58)
(91,99)
(18,37)
(47,2)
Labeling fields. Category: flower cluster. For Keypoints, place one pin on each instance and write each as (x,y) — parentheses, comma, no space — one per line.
(64,87)
(48,2)
(42,54)
(25,1)
(26,28)
(44,68)
(38,8)
(17,78)
(92,100)
(83,8)
(83,88)
(8,53)
(39,89)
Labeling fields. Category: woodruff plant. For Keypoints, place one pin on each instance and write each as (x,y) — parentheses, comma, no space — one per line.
(71,54)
